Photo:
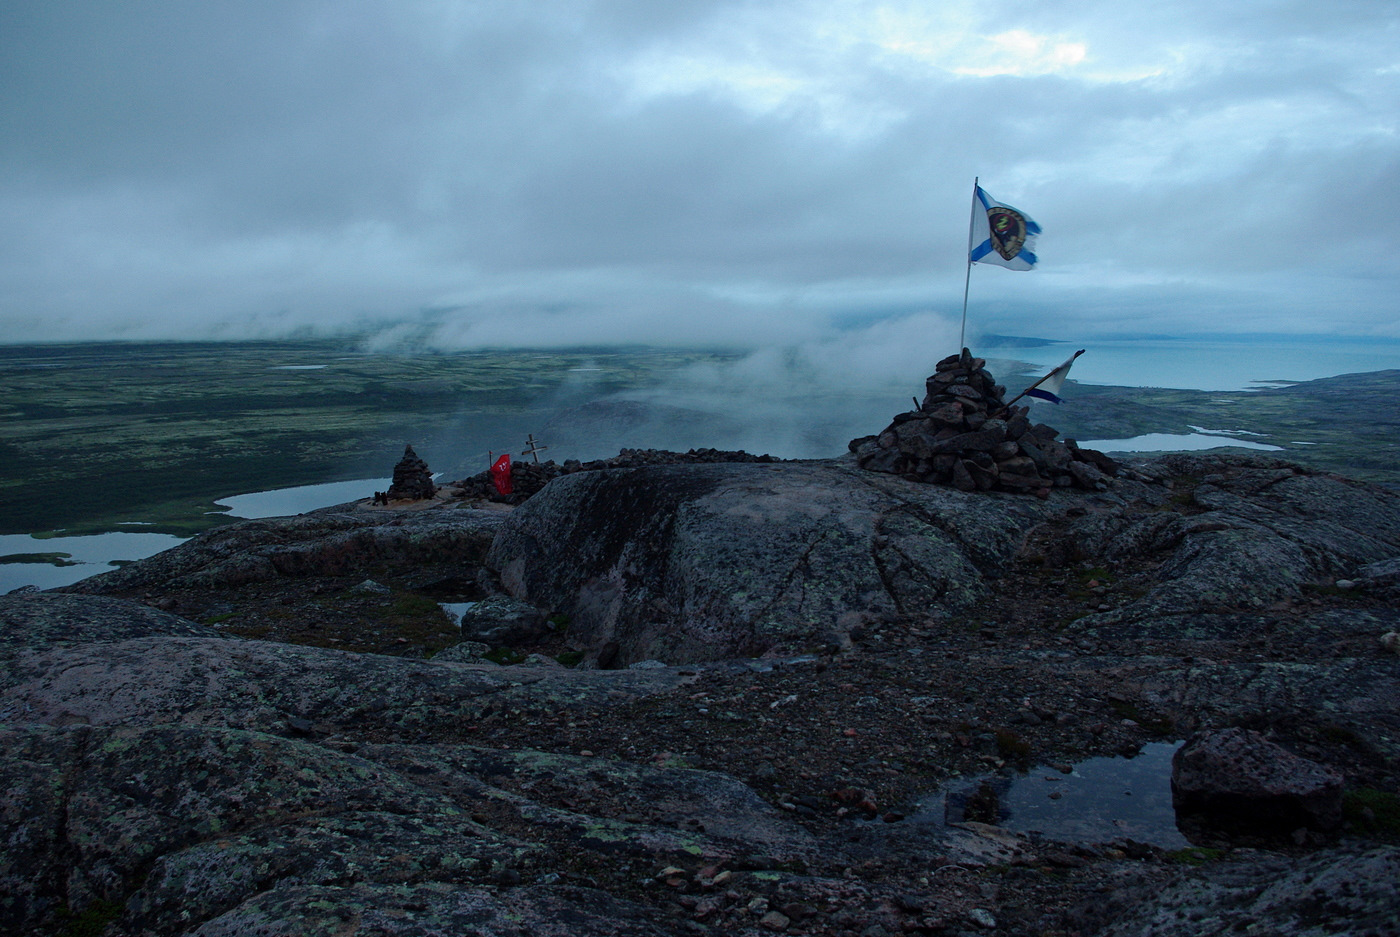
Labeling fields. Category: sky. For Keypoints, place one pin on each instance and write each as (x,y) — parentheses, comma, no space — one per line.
(752,175)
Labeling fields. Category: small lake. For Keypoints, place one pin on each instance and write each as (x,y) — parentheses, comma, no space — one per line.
(96,553)
(92,554)
(284,502)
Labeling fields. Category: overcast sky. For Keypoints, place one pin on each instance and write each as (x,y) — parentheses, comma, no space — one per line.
(664,171)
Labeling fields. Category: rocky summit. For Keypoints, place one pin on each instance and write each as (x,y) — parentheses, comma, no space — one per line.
(672,695)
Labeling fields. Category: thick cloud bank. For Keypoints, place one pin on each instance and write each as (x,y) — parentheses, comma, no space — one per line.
(495,173)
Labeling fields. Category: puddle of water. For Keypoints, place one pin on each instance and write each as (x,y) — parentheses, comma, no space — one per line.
(1102,800)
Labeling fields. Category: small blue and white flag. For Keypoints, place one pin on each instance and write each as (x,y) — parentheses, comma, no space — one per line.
(1009,234)
(1048,388)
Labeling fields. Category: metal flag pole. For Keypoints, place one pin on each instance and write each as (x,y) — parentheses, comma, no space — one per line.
(967,274)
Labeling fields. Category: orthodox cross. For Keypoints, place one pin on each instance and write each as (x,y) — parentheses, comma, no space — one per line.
(532,448)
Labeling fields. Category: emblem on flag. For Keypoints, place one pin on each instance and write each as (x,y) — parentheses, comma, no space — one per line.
(1010,234)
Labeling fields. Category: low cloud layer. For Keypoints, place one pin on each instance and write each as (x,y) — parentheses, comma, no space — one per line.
(756,175)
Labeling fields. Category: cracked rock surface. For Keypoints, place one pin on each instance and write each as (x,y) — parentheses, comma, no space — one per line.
(823,648)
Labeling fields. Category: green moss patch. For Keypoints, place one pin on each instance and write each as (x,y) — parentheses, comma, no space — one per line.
(1372,811)
(56,559)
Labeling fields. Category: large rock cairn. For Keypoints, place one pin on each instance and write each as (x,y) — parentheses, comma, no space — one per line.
(964,435)
(412,480)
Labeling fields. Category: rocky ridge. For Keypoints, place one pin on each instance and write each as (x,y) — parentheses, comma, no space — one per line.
(771,664)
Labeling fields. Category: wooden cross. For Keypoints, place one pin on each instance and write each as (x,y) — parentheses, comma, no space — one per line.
(532,448)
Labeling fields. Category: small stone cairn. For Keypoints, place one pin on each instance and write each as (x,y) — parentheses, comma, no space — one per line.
(412,480)
(964,435)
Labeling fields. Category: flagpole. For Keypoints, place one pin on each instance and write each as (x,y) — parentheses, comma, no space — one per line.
(967,274)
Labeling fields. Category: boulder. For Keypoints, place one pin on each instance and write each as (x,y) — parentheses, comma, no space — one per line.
(706,562)
(501,620)
(1238,782)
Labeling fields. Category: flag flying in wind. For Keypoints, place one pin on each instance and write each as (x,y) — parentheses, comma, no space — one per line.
(1008,235)
(1049,387)
(500,474)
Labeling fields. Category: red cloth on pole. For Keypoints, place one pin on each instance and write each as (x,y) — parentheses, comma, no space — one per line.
(500,474)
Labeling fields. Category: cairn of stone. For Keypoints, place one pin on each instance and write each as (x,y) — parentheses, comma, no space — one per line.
(412,480)
(964,435)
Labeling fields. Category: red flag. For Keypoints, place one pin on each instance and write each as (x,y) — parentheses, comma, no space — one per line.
(500,474)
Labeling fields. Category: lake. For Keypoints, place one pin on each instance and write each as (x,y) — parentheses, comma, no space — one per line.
(97,553)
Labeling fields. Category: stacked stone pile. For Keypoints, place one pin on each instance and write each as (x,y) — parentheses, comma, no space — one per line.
(527,478)
(964,435)
(412,480)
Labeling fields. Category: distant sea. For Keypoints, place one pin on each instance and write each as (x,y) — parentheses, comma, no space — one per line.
(1208,364)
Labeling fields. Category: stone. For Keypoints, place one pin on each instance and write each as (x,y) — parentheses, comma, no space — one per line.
(962,478)
(1006,450)
(984,476)
(502,620)
(1235,780)
(467,651)
(774,921)
(982,918)
(1085,473)
(964,391)
(948,414)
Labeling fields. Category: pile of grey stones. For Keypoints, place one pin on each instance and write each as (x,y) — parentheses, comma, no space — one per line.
(413,481)
(964,435)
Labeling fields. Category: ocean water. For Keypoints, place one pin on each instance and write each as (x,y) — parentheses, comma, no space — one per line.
(1208,365)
